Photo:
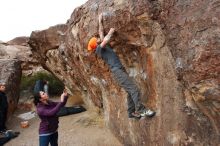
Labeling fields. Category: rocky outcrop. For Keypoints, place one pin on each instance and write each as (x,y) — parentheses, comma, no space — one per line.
(11,74)
(194,41)
(16,57)
(170,48)
(18,48)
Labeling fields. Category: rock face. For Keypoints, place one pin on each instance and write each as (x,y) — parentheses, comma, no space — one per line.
(170,48)
(11,74)
(18,48)
(16,59)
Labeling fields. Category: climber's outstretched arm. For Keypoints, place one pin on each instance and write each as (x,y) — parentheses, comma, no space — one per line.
(107,38)
(101,30)
(104,40)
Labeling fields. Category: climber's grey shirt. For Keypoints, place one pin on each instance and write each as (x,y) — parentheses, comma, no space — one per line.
(109,56)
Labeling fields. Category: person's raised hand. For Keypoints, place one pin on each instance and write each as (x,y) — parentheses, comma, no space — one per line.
(63,95)
(65,92)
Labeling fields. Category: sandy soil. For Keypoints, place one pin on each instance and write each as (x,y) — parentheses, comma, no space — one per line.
(83,129)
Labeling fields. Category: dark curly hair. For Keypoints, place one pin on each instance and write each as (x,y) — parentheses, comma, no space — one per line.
(37,98)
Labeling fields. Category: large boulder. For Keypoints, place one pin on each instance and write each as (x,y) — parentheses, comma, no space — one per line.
(16,58)
(11,74)
(170,48)
(18,48)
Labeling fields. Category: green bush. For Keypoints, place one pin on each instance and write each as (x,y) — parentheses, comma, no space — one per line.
(55,85)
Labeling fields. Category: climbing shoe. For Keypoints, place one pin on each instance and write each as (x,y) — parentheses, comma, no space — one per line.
(147,113)
(134,115)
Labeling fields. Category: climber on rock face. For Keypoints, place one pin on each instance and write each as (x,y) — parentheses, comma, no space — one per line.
(100,46)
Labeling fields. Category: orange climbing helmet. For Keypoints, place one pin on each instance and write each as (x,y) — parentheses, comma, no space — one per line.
(92,44)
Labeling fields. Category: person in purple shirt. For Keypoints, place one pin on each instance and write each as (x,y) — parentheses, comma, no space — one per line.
(47,111)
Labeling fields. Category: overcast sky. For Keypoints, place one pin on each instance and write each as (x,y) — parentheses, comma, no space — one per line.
(20,17)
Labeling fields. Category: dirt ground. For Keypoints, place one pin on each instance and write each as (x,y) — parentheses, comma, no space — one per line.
(83,129)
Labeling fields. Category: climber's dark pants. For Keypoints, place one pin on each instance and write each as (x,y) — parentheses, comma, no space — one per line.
(133,98)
